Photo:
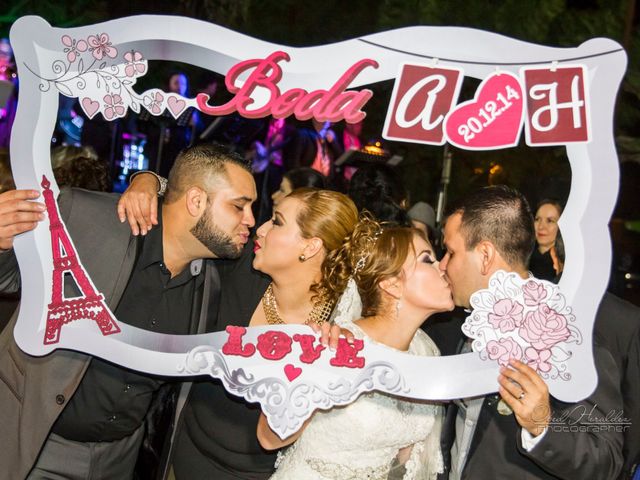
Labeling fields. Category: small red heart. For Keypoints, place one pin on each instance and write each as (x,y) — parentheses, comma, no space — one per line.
(292,372)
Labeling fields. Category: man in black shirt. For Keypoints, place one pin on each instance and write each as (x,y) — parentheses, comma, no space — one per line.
(66,415)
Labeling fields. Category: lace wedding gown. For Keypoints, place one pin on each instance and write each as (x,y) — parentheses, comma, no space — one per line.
(362,440)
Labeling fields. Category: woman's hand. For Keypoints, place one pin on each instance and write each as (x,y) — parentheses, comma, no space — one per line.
(269,440)
(139,204)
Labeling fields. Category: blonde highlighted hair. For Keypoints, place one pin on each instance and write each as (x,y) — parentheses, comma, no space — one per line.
(331,217)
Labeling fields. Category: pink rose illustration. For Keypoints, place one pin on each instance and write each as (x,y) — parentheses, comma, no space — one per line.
(101,46)
(504,350)
(134,63)
(114,106)
(73,47)
(534,293)
(506,316)
(538,359)
(544,328)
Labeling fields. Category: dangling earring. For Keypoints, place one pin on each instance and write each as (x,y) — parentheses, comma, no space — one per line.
(302,258)
(398,307)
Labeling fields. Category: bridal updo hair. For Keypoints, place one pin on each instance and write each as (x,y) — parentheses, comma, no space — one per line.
(371,254)
(331,217)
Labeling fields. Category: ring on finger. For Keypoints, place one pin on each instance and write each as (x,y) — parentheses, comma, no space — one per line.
(521,396)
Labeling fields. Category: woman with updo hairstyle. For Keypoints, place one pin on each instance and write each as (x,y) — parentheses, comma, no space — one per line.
(393,271)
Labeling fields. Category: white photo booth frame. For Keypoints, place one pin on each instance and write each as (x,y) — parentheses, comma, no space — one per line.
(289,395)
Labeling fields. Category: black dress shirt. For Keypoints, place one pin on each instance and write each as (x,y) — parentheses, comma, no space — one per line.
(217,438)
(112,401)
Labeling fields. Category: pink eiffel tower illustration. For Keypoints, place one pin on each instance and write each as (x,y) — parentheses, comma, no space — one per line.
(90,305)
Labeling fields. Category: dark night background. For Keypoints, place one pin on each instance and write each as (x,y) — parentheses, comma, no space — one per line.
(539,172)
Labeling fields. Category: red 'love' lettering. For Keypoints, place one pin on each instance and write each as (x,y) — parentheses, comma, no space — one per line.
(275,345)
(234,343)
(347,354)
(309,353)
(330,105)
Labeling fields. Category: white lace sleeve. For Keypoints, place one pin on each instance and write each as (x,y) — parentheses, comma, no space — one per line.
(349,307)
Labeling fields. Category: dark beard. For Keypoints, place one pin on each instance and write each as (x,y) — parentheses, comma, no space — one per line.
(216,241)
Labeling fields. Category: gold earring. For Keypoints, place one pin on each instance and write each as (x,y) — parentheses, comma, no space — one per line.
(302,258)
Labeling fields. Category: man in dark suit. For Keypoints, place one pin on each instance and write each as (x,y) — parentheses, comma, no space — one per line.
(67,415)
(522,432)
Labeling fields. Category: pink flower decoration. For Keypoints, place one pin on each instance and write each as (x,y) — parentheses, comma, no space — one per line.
(101,46)
(504,350)
(538,359)
(153,102)
(506,316)
(134,63)
(534,293)
(544,328)
(73,47)
(114,107)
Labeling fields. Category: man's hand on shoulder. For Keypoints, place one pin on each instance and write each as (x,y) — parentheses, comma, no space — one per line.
(18,214)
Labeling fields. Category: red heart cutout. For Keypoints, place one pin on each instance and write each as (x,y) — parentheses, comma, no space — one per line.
(493,119)
(292,372)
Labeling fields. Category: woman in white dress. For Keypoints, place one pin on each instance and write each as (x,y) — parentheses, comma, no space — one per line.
(378,436)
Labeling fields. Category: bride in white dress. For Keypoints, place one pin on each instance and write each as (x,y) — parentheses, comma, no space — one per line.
(379,436)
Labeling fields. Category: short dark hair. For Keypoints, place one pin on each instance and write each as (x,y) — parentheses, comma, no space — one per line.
(200,165)
(500,215)
(306,177)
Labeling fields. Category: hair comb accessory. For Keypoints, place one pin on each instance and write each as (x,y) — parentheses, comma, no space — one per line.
(370,243)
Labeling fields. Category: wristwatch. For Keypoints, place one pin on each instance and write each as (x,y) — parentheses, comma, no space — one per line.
(162,182)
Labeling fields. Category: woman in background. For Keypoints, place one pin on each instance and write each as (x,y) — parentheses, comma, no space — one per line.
(298,178)
(547,259)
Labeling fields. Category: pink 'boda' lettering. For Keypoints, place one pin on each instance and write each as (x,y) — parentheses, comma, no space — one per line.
(330,105)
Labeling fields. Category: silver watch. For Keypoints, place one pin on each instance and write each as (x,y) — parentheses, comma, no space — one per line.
(162,182)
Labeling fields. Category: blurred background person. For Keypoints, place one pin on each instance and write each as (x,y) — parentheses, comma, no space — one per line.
(166,135)
(378,188)
(317,147)
(298,178)
(423,217)
(80,167)
(547,259)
